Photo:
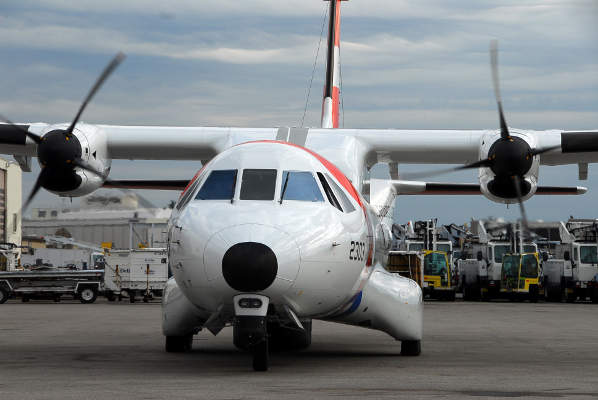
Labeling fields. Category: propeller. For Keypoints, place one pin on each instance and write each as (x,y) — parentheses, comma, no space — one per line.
(509,157)
(59,151)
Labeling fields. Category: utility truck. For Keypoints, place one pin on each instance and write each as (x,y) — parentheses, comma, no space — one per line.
(573,272)
(435,254)
(479,270)
(136,272)
(521,277)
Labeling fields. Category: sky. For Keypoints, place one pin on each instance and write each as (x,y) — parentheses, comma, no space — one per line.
(405,64)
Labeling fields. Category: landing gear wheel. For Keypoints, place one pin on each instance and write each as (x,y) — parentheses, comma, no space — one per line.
(179,344)
(87,295)
(411,347)
(261,356)
(3,295)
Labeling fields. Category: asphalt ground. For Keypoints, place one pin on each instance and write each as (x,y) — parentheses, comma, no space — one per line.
(471,350)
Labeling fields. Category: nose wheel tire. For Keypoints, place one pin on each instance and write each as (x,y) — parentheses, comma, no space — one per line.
(411,347)
(261,356)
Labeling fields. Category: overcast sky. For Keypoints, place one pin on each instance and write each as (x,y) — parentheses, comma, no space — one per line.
(405,64)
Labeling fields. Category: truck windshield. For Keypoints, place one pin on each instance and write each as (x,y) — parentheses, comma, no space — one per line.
(500,251)
(415,246)
(529,266)
(435,264)
(588,254)
(510,266)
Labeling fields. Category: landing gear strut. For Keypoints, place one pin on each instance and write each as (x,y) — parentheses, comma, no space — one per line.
(250,328)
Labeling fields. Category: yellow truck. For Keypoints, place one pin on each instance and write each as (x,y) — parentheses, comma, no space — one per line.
(521,277)
(438,283)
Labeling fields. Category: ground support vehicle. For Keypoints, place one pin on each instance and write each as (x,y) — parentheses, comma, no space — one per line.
(133,273)
(473,277)
(482,255)
(408,264)
(573,273)
(521,277)
(438,282)
(51,284)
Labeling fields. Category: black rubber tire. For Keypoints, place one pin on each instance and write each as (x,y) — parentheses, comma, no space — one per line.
(145,299)
(179,344)
(451,295)
(57,298)
(25,299)
(411,348)
(4,294)
(111,296)
(88,295)
(261,356)
(131,296)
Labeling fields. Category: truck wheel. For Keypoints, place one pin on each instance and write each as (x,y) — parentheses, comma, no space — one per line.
(179,344)
(111,296)
(131,296)
(87,295)
(411,347)
(3,295)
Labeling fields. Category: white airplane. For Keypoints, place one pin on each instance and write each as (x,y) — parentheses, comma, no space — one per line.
(284,225)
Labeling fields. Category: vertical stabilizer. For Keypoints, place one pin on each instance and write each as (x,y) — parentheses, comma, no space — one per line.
(330,104)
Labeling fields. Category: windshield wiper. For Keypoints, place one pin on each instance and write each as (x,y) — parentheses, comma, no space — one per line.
(284,187)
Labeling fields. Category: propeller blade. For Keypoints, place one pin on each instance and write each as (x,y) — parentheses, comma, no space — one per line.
(36,187)
(517,183)
(427,174)
(30,135)
(504,130)
(542,150)
(118,58)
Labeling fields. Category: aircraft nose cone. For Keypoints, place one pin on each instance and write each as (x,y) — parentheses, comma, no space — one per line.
(249,267)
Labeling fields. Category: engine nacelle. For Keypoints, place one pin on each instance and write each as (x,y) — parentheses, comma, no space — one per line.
(92,147)
(501,189)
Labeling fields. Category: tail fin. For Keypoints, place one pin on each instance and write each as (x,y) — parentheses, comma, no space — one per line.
(330,103)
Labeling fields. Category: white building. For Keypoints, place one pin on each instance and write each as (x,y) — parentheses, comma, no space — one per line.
(103,219)
(10,218)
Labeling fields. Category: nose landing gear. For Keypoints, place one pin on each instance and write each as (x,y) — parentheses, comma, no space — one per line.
(250,328)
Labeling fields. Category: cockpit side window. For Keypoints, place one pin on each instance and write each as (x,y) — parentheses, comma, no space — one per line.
(299,185)
(220,185)
(187,196)
(329,193)
(340,194)
(258,184)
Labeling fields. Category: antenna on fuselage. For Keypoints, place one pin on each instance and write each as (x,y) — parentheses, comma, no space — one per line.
(330,102)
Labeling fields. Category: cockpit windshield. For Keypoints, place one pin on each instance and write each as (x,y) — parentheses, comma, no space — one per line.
(258,184)
(299,185)
(220,185)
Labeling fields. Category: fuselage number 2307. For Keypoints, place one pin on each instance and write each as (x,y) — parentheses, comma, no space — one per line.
(357,251)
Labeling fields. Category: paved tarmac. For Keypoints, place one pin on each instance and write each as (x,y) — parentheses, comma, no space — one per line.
(471,350)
